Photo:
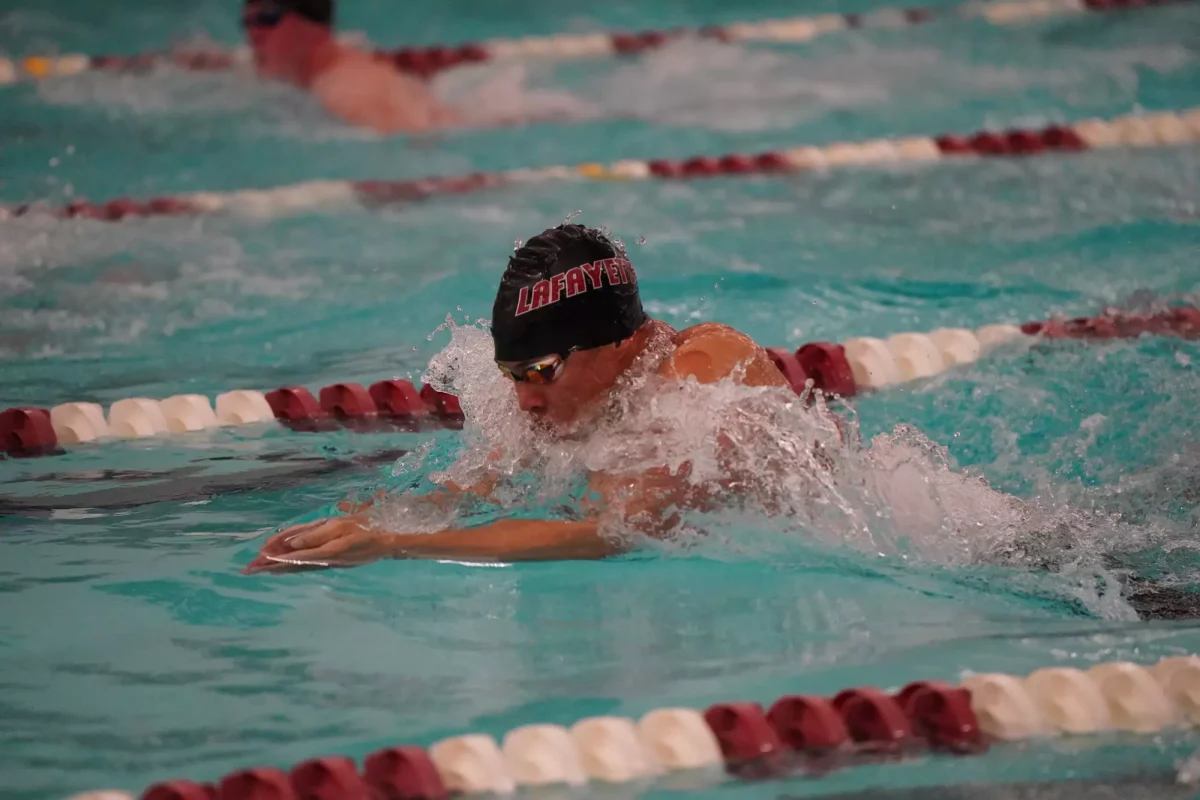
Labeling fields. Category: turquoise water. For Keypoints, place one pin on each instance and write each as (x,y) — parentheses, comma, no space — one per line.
(133,650)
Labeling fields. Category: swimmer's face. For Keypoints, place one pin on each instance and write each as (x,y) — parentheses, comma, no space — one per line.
(282,42)
(260,21)
(566,389)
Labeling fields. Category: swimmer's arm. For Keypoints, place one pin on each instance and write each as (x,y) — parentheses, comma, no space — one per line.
(708,353)
(351,541)
(509,540)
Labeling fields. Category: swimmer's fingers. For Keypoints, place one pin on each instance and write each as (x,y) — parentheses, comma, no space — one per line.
(345,551)
(278,566)
(267,561)
(331,530)
(340,541)
(280,545)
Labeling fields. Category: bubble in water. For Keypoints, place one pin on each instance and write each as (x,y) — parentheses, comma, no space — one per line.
(518,244)
(411,461)
(572,215)
(1189,772)
(640,240)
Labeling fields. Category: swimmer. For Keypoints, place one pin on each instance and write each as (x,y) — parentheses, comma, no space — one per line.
(569,330)
(293,42)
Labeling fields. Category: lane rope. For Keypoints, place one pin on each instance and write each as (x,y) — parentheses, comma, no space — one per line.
(688,749)
(427,61)
(1130,131)
(855,366)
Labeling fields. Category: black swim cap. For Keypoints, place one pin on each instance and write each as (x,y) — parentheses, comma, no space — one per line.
(318,11)
(569,288)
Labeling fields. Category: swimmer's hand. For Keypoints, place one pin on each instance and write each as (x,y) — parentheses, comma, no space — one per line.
(337,542)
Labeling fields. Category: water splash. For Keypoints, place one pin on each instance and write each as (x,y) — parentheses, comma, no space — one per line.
(776,463)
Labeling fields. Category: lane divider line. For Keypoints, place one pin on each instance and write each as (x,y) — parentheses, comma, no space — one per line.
(428,61)
(798,734)
(1135,131)
(855,366)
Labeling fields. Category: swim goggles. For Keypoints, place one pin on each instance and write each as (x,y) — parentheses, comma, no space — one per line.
(541,371)
(264,15)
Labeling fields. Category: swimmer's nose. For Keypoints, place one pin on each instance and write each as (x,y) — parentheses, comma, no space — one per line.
(530,398)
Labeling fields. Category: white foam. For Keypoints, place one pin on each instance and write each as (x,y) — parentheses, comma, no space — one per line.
(900,497)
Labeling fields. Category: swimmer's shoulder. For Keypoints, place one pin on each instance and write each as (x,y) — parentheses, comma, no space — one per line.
(369,91)
(711,352)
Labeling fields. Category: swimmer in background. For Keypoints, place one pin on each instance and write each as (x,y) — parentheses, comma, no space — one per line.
(569,331)
(293,42)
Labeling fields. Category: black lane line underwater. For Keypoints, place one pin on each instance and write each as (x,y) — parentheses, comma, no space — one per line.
(183,484)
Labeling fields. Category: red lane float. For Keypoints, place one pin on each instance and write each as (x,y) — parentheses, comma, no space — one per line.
(790,366)
(347,401)
(261,783)
(442,405)
(27,432)
(398,399)
(942,715)
(330,778)
(826,364)
(295,407)
(808,724)
(743,732)
(874,720)
(404,772)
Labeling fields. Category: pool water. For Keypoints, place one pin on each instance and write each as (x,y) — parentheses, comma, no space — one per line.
(134,651)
